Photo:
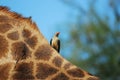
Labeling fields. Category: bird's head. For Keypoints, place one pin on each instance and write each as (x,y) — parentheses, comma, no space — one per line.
(57,34)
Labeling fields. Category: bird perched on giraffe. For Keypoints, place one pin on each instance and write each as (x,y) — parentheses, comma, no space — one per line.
(55,42)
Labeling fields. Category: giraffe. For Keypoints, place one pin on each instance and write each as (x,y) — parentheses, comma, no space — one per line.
(26,55)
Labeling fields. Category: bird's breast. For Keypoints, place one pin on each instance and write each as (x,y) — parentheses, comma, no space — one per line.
(55,42)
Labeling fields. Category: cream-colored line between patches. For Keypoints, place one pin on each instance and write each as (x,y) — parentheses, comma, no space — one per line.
(6,60)
(52,76)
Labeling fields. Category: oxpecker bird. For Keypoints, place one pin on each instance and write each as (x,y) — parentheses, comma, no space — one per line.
(55,42)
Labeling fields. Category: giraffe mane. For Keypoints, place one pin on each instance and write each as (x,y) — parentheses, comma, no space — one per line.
(17,16)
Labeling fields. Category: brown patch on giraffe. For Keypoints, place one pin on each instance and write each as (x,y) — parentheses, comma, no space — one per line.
(92,78)
(76,72)
(23,71)
(89,73)
(3,18)
(44,70)
(13,35)
(57,61)
(61,76)
(3,46)
(67,66)
(26,33)
(32,42)
(4,71)
(5,27)
(20,51)
(43,52)
(77,79)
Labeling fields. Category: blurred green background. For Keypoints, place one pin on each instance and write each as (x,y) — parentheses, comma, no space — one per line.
(94,37)
(90,31)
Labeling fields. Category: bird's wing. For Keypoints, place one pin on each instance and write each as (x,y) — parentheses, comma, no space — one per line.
(58,45)
(51,42)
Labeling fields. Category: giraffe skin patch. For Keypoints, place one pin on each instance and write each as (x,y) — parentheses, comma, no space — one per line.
(32,42)
(5,27)
(57,61)
(92,78)
(23,71)
(43,52)
(67,66)
(44,70)
(61,76)
(4,71)
(3,46)
(13,35)
(20,51)
(26,33)
(3,18)
(77,79)
(89,73)
(76,72)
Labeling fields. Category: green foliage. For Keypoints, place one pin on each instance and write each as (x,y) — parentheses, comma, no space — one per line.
(96,46)
(103,47)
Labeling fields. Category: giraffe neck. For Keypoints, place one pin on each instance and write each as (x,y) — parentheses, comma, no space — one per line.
(26,54)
